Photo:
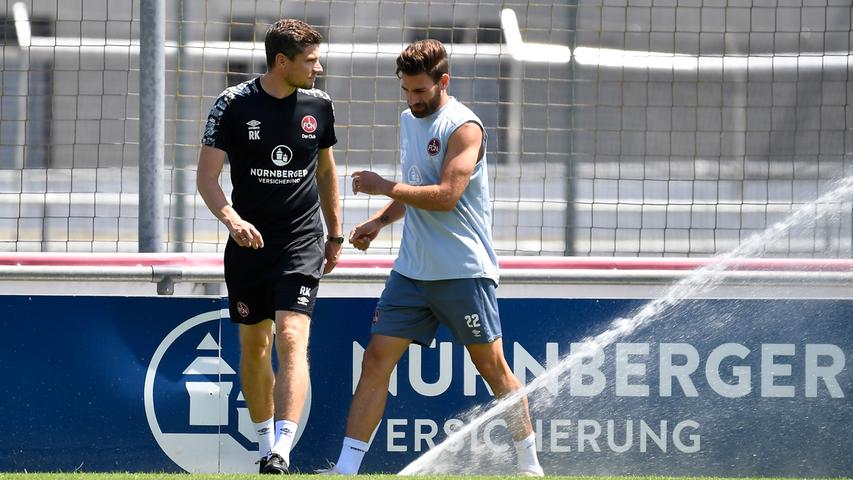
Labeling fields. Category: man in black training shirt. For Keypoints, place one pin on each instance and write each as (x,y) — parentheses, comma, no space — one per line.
(277,132)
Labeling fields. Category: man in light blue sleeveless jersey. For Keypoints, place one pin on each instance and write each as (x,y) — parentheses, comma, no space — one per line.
(446,272)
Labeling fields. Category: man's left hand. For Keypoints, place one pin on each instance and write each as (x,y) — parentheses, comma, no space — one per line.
(333,253)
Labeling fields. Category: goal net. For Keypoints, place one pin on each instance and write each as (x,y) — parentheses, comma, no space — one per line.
(673,128)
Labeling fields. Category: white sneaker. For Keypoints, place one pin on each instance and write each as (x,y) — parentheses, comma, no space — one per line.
(532,472)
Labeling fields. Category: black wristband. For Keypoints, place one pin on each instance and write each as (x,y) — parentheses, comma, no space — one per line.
(338,240)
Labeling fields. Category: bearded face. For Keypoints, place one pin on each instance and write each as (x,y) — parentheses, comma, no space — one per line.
(423,95)
(427,106)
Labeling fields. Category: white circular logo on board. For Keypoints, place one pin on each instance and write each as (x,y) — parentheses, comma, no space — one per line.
(193,402)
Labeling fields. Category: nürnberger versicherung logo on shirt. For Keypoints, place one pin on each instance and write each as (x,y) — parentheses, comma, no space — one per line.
(281,155)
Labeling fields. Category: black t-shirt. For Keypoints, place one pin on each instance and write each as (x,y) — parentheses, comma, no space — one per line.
(272,145)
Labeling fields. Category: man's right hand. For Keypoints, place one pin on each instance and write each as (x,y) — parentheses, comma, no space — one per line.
(361,236)
(246,235)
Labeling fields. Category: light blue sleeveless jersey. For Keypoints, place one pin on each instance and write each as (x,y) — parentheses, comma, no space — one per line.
(444,245)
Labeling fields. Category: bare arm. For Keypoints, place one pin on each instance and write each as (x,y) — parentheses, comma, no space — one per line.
(463,153)
(327,184)
(210,163)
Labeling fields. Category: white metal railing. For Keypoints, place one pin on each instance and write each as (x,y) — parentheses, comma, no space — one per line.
(168,269)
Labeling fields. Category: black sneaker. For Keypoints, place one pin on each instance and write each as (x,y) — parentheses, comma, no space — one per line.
(274,465)
(262,464)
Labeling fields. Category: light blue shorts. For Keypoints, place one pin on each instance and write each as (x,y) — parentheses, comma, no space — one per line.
(414,309)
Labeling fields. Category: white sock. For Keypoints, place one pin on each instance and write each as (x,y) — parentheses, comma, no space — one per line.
(352,453)
(266,437)
(528,461)
(285,432)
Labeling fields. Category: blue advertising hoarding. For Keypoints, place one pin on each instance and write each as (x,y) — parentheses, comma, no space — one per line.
(715,387)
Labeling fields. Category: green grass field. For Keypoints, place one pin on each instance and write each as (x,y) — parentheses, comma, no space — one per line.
(179,476)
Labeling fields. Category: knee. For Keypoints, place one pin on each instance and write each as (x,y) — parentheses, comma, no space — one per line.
(497,374)
(376,364)
(490,370)
(254,349)
(292,335)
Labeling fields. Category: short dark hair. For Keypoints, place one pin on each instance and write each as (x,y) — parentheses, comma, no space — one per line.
(424,56)
(289,37)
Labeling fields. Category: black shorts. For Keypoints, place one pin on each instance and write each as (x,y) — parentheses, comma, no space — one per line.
(276,277)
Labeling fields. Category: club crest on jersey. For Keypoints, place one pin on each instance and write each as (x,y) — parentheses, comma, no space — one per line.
(434,146)
(254,129)
(309,124)
(281,155)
